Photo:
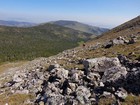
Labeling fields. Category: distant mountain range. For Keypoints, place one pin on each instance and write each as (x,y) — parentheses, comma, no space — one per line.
(65,23)
(76,75)
(16,23)
(81,27)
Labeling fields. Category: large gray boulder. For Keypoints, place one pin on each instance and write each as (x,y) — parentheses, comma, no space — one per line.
(100,64)
(116,41)
(114,73)
(104,69)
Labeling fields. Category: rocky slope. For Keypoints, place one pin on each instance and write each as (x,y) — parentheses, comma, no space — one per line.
(102,72)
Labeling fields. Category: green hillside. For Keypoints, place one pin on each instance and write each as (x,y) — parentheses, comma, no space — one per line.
(39,41)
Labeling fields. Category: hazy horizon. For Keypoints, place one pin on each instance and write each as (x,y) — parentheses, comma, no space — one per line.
(103,13)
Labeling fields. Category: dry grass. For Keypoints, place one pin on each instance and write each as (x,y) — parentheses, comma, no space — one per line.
(114,51)
(7,65)
(132,100)
(15,99)
(106,101)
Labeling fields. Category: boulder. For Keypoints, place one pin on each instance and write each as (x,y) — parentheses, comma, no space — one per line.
(22,91)
(123,59)
(121,94)
(93,76)
(100,64)
(41,103)
(132,40)
(75,77)
(108,44)
(73,86)
(107,94)
(62,73)
(114,73)
(132,83)
(83,95)
(9,84)
(55,99)
(51,67)
(17,78)
(117,41)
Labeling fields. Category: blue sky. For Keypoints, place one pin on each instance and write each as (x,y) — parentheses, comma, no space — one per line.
(104,13)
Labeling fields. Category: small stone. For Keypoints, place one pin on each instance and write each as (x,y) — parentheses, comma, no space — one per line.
(41,103)
(101,84)
(72,86)
(121,93)
(106,94)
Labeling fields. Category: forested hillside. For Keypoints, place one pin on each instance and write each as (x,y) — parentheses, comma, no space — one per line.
(39,41)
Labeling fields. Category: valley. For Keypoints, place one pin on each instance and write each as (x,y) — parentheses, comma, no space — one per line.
(39,41)
(105,71)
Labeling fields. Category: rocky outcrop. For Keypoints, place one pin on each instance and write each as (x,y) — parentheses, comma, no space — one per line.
(52,83)
(100,64)
(101,77)
(120,40)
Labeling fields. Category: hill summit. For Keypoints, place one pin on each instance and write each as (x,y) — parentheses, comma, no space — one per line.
(81,27)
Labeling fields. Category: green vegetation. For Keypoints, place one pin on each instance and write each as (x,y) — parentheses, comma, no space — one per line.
(81,43)
(40,41)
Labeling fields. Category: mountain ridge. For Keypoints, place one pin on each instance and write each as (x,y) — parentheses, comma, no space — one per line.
(65,23)
(80,26)
(16,23)
(103,71)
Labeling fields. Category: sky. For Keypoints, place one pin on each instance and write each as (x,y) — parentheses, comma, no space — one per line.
(103,13)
